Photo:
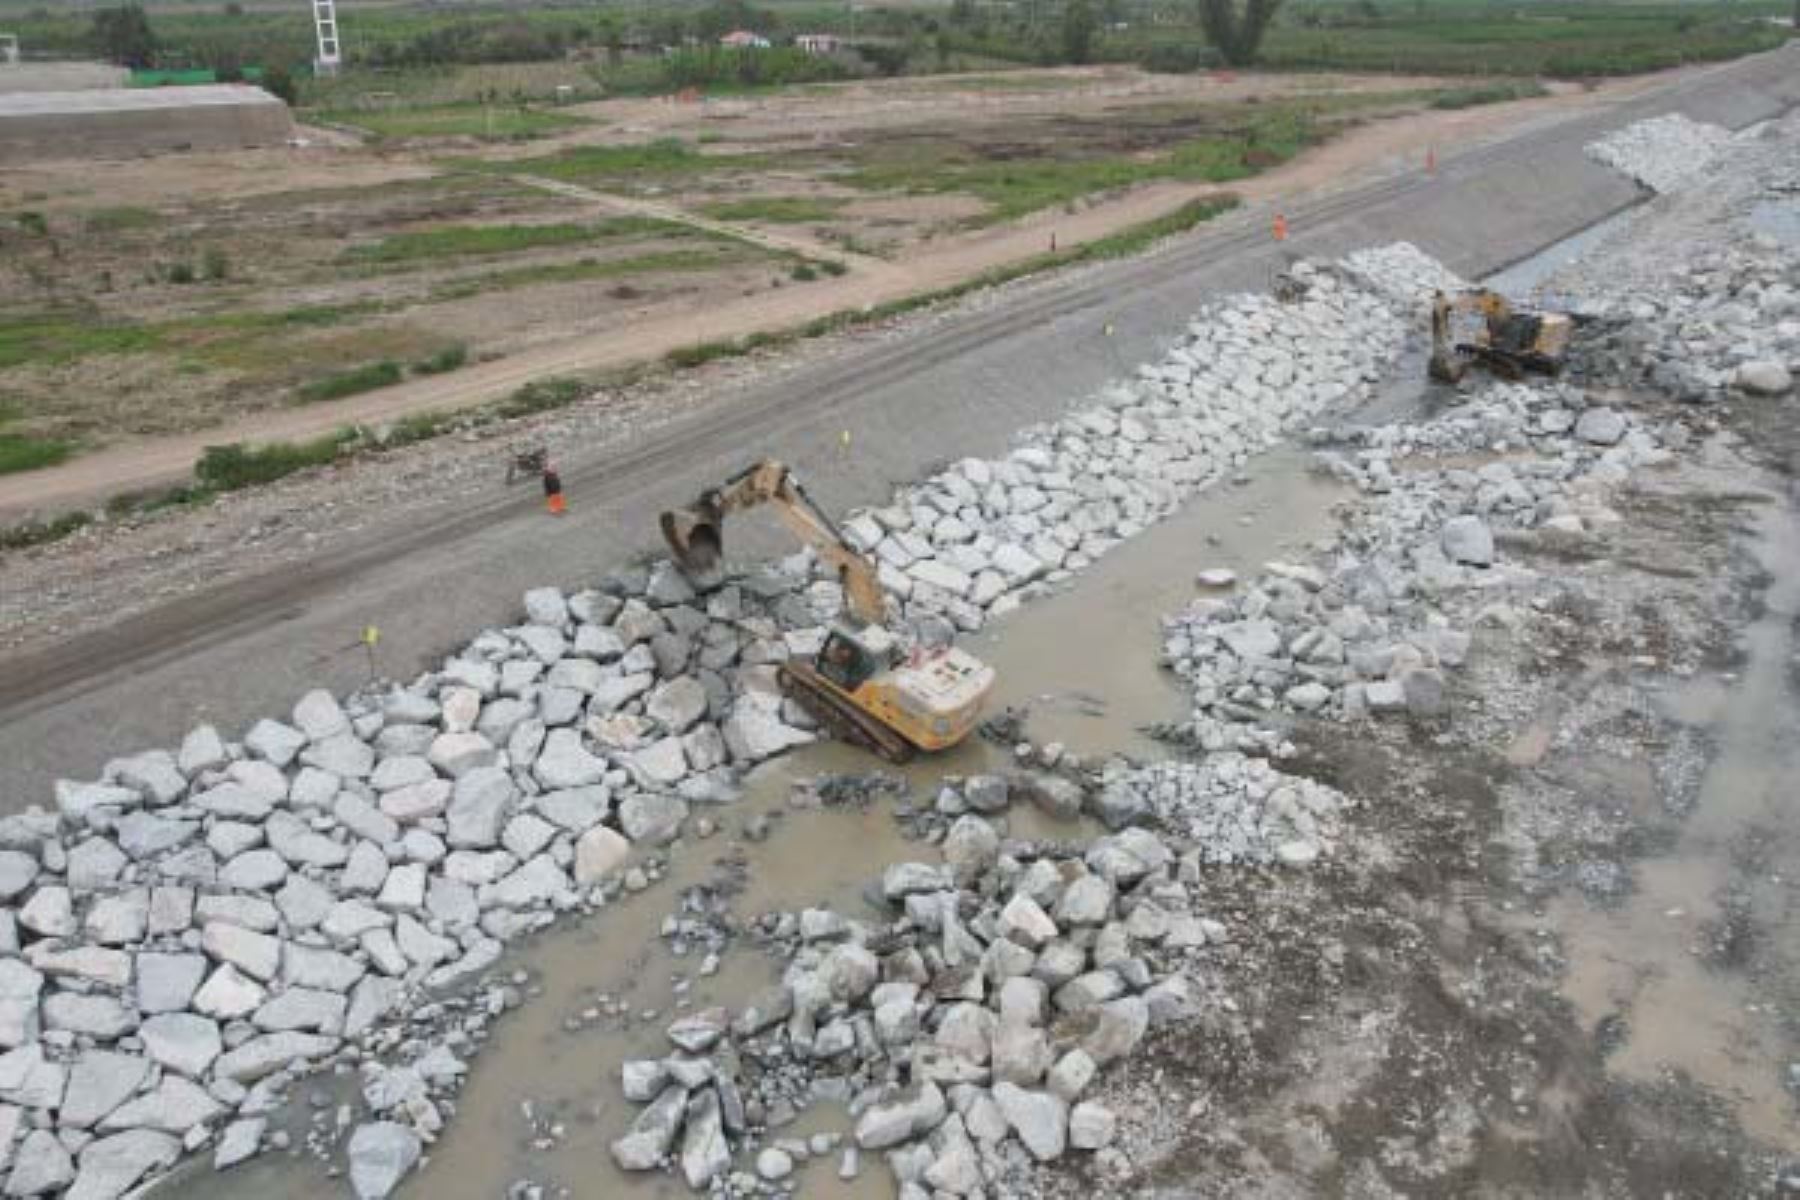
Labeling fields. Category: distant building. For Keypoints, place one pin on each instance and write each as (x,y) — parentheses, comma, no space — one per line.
(743,39)
(819,43)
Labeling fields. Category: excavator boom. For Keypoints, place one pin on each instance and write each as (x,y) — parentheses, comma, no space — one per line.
(696,534)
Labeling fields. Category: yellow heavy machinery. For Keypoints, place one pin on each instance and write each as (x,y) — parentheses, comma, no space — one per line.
(1482,328)
(860,686)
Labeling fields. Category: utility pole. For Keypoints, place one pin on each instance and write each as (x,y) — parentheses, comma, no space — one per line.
(329,58)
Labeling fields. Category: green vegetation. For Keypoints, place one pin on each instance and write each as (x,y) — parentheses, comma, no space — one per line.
(1564,40)
(450,358)
(587,269)
(661,159)
(431,54)
(119,219)
(542,395)
(467,241)
(1490,93)
(40,533)
(365,378)
(491,122)
(21,452)
(232,467)
(1235,28)
(1246,143)
(782,210)
(56,337)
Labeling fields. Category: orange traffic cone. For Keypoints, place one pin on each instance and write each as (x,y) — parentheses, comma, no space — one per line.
(1280,228)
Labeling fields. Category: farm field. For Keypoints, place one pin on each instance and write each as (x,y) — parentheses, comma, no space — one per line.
(159,297)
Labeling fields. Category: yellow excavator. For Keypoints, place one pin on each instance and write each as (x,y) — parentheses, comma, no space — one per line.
(860,686)
(1482,327)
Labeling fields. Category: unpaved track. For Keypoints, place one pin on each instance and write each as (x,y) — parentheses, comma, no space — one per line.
(1394,148)
(633,206)
(956,388)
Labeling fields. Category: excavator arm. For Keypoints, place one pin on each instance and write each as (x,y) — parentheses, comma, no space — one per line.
(696,534)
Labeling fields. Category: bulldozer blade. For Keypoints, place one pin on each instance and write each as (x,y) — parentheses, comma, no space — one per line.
(695,541)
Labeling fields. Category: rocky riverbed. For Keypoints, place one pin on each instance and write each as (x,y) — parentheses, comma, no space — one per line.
(1315,943)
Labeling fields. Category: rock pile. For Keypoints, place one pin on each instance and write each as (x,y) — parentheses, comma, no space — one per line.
(1373,628)
(962,1035)
(1661,152)
(977,539)
(191,932)
(1727,322)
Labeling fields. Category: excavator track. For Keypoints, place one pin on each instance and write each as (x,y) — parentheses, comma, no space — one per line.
(842,719)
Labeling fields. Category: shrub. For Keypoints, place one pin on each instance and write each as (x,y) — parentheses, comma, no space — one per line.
(448,359)
(542,395)
(214,264)
(234,466)
(19,452)
(803,273)
(38,533)
(365,378)
(181,272)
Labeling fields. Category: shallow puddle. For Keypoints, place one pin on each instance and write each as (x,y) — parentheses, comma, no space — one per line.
(1656,960)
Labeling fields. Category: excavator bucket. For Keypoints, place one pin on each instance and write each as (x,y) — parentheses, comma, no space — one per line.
(696,540)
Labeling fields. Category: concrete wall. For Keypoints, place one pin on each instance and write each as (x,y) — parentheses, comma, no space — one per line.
(39,126)
(60,76)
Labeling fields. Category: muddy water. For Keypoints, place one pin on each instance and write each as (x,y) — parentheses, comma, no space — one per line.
(1083,661)
(1653,960)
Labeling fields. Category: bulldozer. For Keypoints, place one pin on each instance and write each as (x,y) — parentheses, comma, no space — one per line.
(1482,328)
(861,686)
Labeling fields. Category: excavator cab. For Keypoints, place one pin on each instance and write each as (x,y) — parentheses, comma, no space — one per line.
(849,662)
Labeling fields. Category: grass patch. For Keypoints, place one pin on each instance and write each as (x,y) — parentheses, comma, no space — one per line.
(119,219)
(365,378)
(39,533)
(542,395)
(1015,187)
(664,261)
(63,337)
(236,466)
(662,158)
(1488,93)
(467,241)
(488,122)
(1566,40)
(21,452)
(486,241)
(779,210)
(450,358)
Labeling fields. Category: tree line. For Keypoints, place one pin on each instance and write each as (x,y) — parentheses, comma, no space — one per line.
(1043,31)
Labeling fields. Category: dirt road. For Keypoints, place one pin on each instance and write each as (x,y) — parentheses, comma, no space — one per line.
(217,650)
(1392,151)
